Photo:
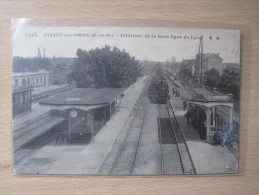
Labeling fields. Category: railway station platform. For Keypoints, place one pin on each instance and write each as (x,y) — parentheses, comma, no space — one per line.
(30,131)
(53,158)
(208,102)
(190,133)
(136,149)
(129,143)
(207,158)
(205,106)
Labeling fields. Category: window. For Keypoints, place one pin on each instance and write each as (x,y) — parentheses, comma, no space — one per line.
(16,82)
(25,100)
(23,82)
(21,100)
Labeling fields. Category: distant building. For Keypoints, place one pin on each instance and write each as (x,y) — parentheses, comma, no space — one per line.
(209,61)
(33,79)
(59,74)
(177,67)
(149,67)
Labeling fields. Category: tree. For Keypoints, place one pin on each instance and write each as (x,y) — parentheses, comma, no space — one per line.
(81,69)
(21,64)
(233,88)
(185,75)
(228,77)
(230,82)
(213,77)
(105,67)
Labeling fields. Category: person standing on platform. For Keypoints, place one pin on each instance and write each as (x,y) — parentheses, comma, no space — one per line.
(184,104)
(188,116)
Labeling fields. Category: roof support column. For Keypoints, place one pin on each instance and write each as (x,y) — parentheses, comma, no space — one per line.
(110,109)
(69,127)
(92,124)
(208,113)
(90,121)
(231,115)
(213,116)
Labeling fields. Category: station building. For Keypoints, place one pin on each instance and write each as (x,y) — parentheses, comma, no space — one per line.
(21,99)
(87,110)
(34,79)
(208,61)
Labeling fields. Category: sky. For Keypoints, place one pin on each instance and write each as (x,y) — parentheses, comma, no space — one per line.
(146,43)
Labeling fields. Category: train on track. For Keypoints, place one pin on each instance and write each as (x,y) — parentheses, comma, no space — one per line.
(158,91)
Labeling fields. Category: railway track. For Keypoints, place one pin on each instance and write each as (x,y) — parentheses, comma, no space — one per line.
(40,140)
(125,159)
(47,136)
(175,155)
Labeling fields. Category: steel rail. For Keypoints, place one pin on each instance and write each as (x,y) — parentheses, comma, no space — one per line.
(144,91)
(48,140)
(140,135)
(176,140)
(160,139)
(186,146)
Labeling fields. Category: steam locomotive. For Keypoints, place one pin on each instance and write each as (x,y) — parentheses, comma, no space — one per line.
(158,90)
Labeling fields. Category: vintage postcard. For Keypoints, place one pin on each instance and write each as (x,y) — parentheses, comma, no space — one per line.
(125,100)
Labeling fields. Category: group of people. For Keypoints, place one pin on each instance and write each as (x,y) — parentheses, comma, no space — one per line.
(196,116)
(176,93)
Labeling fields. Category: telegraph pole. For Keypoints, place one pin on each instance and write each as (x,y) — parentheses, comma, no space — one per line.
(201,58)
(39,53)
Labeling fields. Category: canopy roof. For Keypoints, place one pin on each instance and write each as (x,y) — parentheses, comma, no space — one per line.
(203,95)
(85,96)
(22,88)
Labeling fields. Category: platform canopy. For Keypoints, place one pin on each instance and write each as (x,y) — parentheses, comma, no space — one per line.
(22,88)
(84,97)
(208,100)
(205,97)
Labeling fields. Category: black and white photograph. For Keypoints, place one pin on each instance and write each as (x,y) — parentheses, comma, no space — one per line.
(107,100)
